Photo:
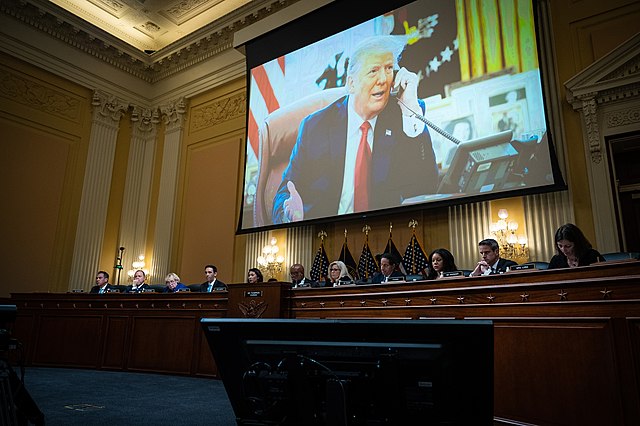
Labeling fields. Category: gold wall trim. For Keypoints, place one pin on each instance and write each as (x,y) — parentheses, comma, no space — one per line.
(35,95)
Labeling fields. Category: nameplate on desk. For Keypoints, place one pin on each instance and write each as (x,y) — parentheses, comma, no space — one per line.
(183,290)
(253,293)
(148,290)
(391,279)
(219,289)
(452,274)
(77,290)
(115,290)
(522,267)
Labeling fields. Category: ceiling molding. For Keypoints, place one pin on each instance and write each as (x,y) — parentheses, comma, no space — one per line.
(197,47)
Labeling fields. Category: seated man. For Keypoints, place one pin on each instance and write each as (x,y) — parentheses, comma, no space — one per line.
(212,283)
(365,151)
(296,272)
(139,285)
(491,262)
(102,283)
(388,264)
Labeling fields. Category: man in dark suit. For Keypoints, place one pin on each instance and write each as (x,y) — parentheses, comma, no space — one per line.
(364,130)
(296,272)
(102,283)
(491,262)
(212,283)
(138,285)
(388,272)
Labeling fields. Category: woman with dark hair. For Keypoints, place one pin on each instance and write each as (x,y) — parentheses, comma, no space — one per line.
(254,276)
(440,260)
(573,249)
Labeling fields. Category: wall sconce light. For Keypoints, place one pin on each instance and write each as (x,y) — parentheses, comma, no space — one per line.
(270,261)
(512,246)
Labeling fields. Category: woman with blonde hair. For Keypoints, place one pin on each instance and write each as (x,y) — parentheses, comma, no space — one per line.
(173,283)
(338,274)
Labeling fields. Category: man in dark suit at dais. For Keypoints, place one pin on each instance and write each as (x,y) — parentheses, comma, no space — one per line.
(491,262)
(366,150)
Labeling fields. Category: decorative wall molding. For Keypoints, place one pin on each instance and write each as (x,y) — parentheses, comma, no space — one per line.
(621,118)
(30,92)
(219,111)
(590,117)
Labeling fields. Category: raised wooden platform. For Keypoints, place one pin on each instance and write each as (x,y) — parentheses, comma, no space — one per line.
(567,342)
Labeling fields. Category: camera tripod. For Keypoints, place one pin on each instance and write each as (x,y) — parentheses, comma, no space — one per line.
(17,408)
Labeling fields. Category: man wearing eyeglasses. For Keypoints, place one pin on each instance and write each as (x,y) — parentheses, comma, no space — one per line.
(297,277)
(388,270)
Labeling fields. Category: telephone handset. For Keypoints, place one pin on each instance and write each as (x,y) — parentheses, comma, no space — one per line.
(396,91)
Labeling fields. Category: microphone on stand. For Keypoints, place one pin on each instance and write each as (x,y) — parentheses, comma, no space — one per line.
(118,266)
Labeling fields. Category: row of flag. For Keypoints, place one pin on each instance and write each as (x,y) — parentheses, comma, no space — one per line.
(413,262)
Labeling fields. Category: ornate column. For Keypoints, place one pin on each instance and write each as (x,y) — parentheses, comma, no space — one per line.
(135,206)
(598,172)
(107,112)
(174,118)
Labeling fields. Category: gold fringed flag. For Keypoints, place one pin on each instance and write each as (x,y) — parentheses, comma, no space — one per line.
(320,262)
(347,258)
(414,260)
(367,265)
(392,249)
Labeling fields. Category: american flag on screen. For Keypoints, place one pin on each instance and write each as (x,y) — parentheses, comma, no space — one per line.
(415,260)
(265,97)
(367,265)
(320,265)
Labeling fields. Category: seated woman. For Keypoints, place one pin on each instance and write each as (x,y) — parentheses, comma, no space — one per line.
(173,283)
(440,260)
(573,249)
(254,276)
(338,274)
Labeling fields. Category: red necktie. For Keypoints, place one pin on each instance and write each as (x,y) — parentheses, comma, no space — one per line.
(362,179)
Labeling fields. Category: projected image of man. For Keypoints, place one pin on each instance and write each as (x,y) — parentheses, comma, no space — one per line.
(365,151)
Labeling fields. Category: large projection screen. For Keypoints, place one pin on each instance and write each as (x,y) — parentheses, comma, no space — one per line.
(482,125)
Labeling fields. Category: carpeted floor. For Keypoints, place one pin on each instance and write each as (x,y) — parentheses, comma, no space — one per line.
(86,397)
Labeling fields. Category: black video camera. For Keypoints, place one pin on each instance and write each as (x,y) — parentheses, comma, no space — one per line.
(7,316)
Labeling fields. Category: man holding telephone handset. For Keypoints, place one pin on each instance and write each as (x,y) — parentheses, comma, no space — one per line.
(347,155)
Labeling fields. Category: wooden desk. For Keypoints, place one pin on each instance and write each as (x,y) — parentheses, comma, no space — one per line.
(567,342)
(149,332)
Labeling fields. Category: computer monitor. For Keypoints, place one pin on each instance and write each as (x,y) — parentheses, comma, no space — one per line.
(355,371)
